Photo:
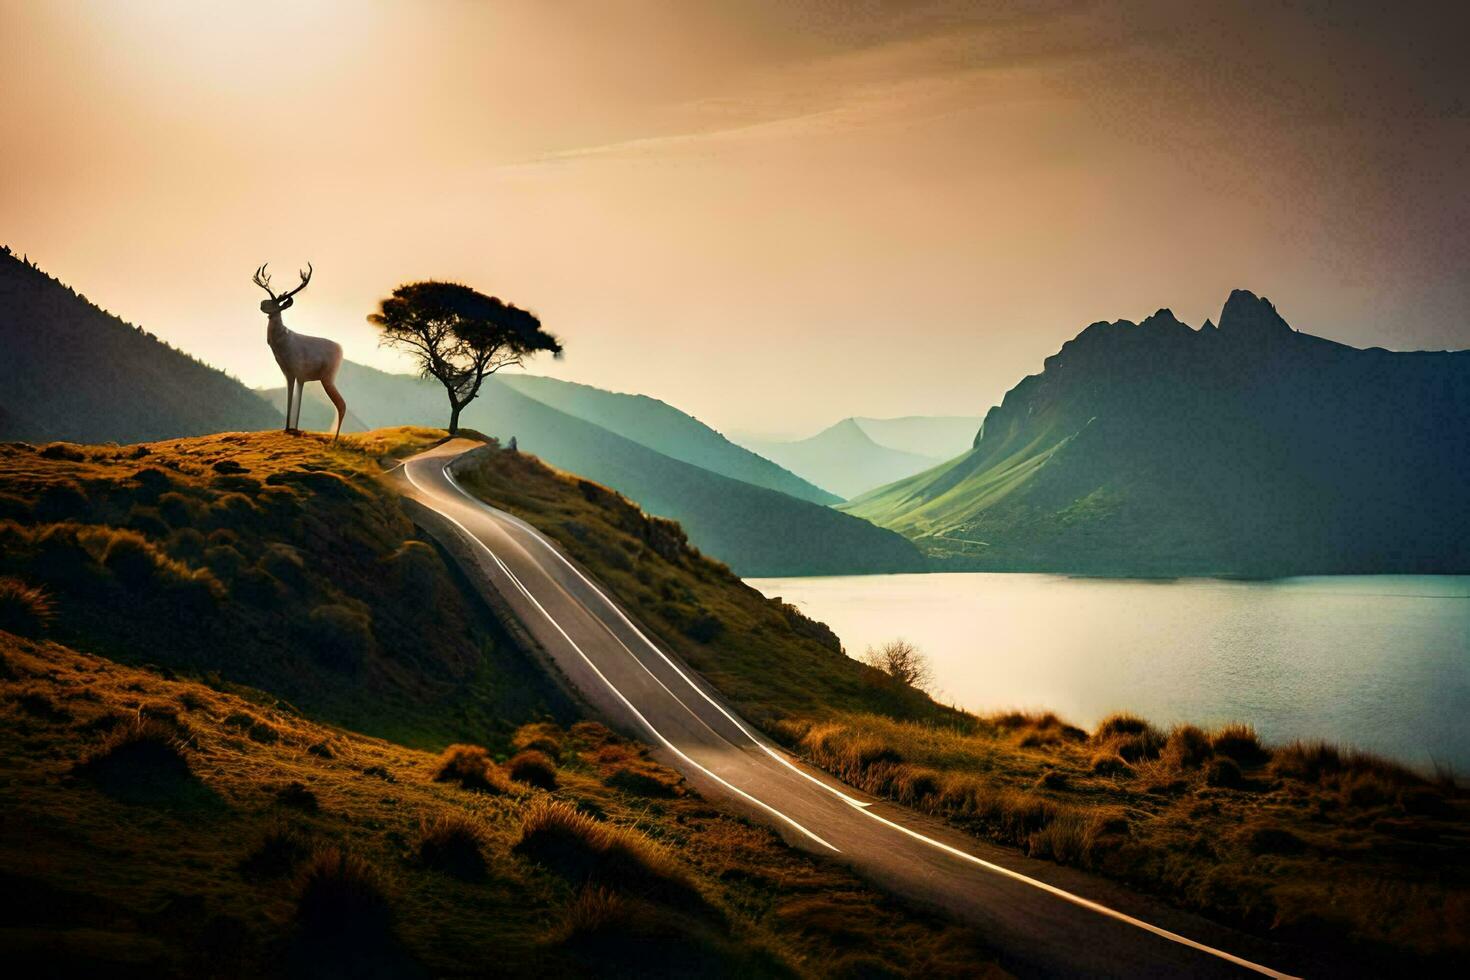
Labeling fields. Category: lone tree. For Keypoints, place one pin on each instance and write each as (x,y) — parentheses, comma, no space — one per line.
(903,662)
(459,335)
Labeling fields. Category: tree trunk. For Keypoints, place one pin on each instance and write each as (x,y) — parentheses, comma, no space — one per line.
(454,408)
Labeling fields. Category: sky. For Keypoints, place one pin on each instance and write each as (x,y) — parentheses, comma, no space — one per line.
(772,214)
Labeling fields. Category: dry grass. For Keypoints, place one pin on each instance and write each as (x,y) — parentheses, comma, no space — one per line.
(239,883)
(1298,839)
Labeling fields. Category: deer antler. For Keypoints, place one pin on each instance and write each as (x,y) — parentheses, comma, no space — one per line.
(263,280)
(305,278)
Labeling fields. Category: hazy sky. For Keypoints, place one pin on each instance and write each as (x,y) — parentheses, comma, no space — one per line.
(771,213)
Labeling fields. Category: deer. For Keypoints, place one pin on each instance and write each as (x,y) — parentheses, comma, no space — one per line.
(301,358)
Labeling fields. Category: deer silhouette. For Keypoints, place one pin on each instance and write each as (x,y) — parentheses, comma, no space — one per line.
(301,358)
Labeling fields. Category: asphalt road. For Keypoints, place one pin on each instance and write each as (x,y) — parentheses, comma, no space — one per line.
(1041,919)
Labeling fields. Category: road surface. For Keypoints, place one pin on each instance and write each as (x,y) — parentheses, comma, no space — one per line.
(1041,919)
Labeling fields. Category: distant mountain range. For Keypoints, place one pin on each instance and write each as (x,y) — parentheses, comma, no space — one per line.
(1247,448)
(71,370)
(754,529)
(662,427)
(935,436)
(847,460)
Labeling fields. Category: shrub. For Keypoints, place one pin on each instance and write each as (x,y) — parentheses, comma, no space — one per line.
(471,767)
(1187,747)
(24,609)
(1239,742)
(583,850)
(532,768)
(901,661)
(340,897)
(451,842)
(1224,772)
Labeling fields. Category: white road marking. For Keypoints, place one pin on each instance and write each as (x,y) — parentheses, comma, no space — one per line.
(858,805)
(611,687)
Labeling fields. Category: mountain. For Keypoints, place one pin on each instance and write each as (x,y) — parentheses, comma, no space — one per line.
(935,436)
(72,371)
(1247,448)
(843,459)
(755,530)
(662,427)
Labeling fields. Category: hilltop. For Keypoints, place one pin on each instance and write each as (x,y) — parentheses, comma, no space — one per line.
(71,370)
(1244,448)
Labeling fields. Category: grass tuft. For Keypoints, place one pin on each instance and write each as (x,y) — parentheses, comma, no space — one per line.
(1239,742)
(143,761)
(341,898)
(586,851)
(532,768)
(25,610)
(1187,747)
(453,842)
(472,767)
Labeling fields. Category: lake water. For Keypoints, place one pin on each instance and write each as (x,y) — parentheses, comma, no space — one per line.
(1380,662)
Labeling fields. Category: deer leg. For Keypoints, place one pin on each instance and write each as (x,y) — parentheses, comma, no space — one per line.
(290,391)
(337,400)
(300,397)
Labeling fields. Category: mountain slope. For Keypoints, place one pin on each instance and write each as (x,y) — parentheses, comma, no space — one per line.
(70,370)
(1246,448)
(754,530)
(663,428)
(935,436)
(843,459)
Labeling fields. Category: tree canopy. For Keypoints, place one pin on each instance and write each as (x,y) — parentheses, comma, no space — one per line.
(459,336)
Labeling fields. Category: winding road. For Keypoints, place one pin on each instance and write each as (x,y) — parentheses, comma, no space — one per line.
(1042,920)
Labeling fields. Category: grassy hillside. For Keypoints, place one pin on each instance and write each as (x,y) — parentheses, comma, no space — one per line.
(755,530)
(1298,842)
(71,370)
(667,430)
(269,560)
(843,459)
(764,654)
(1249,449)
(160,827)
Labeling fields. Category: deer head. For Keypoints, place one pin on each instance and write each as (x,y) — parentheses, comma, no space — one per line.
(277,303)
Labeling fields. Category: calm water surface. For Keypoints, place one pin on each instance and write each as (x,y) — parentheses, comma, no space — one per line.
(1381,662)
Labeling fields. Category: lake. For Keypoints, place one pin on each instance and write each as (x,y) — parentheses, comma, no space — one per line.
(1379,662)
